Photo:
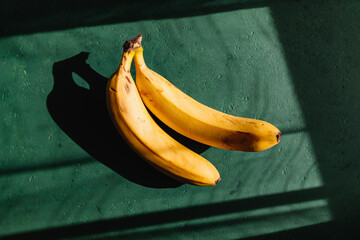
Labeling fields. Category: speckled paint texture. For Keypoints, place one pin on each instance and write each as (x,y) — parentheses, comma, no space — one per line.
(65,173)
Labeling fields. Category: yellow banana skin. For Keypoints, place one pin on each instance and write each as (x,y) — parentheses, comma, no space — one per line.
(146,138)
(197,121)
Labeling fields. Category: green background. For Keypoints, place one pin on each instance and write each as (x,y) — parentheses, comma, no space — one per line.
(66,174)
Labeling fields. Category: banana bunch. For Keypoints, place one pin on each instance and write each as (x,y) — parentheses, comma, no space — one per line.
(142,133)
(126,103)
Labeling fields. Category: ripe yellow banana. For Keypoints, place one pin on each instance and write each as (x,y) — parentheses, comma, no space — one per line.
(142,133)
(197,121)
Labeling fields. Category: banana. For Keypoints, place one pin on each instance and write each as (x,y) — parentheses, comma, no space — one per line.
(144,136)
(198,121)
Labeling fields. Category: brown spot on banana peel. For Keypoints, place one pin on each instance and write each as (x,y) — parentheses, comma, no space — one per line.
(248,142)
(230,120)
(146,95)
(127,88)
(229,142)
(128,79)
(242,141)
(113,89)
(243,132)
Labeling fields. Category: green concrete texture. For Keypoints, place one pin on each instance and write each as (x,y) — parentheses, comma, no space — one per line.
(65,173)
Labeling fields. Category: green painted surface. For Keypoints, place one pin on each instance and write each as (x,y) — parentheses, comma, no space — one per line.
(66,174)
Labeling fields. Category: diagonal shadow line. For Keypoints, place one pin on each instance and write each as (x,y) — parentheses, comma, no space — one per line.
(24,17)
(216,224)
(326,230)
(44,166)
(175,215)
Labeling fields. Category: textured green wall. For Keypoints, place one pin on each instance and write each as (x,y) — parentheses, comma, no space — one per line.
(65,173)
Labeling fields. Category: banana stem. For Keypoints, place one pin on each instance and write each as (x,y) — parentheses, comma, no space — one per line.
(132,44)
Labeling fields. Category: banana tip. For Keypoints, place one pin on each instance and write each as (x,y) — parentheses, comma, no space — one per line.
(278,137)
(218,180)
